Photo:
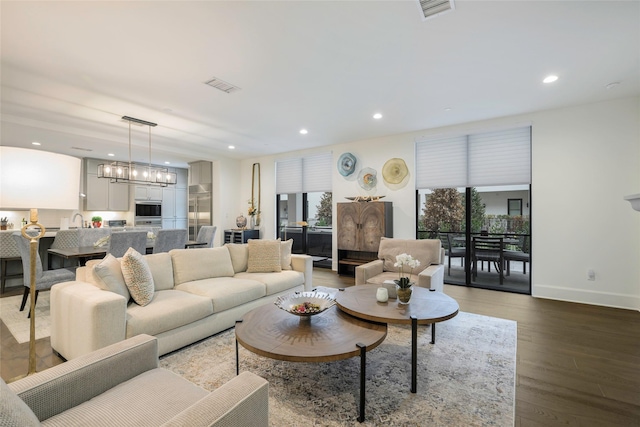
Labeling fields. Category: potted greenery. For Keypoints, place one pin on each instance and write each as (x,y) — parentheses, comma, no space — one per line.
(97,221)
(404,284)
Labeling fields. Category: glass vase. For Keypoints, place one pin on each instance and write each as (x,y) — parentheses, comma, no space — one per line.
(404,293)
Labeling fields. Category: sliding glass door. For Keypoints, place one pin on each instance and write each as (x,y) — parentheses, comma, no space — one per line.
(474,194)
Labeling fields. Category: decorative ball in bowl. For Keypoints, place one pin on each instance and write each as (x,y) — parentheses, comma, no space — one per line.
(305,304)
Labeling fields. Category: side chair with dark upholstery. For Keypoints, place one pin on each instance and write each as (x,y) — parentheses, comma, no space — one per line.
(518,255)
(489,249)
(44,279)
(455,251)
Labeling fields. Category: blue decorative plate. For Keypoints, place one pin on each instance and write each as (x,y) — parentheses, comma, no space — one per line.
(346,164)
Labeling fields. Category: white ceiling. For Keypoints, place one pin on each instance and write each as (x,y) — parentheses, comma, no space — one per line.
(70,70)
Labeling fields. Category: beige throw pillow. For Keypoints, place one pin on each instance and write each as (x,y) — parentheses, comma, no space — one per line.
(110,276)
(285,254)
(264,256)
(137,276)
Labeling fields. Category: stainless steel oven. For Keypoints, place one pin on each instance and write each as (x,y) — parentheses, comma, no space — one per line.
(148,214)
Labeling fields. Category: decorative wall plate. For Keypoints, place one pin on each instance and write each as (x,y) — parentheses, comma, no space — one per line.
(367,178)
(346,164)
(394,171)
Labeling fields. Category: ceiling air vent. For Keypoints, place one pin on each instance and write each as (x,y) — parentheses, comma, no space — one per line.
(222,85)
(432,8)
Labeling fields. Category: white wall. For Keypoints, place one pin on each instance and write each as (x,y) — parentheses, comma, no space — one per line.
(585,159)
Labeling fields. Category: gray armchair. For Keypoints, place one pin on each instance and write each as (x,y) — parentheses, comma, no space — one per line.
(430,273)
(122,385)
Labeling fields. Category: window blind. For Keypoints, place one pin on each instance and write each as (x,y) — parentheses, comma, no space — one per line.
(289,176)
(304,174)
(316,173)
(483,159)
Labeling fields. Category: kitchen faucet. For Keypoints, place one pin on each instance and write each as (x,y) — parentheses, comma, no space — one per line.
(81,219)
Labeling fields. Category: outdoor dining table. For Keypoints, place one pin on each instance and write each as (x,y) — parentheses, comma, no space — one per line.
(84,253)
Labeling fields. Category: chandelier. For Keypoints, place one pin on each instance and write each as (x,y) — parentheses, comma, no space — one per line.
(137,173)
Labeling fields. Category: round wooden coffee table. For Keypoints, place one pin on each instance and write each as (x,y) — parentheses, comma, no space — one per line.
(425,307)
(326,337)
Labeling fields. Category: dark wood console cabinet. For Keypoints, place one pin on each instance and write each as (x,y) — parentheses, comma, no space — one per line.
(360,227)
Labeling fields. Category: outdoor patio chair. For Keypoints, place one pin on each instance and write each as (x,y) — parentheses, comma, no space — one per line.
(518,255)
(455,251)
(44,279)
(489,249)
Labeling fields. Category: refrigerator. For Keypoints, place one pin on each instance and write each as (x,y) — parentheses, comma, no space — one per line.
(199,208)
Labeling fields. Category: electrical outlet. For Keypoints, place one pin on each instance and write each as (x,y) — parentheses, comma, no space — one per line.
(591,275)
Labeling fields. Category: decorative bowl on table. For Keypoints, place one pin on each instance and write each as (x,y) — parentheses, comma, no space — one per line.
(305,304)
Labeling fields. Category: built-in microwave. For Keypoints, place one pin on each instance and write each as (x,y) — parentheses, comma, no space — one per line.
(148,209)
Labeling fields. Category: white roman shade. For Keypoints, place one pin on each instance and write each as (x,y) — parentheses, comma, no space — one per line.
(289,176)
(304,175)
(478,160)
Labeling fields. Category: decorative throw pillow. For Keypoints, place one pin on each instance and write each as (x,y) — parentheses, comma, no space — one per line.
(137,276)
(285,254)
(264,256)
(110,276)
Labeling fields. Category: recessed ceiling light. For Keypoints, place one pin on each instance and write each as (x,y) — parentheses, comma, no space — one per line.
(110,154)
(612,85)
(231,147)
(377,116)
(35,143)
(167,163)
(448,109)
(304,131)
(550,79)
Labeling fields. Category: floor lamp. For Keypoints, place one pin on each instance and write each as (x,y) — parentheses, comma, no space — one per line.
(32,179)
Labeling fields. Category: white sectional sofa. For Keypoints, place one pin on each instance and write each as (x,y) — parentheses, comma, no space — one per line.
(196,293)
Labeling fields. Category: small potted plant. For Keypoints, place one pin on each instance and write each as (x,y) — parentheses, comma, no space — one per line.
(3,223)
(404,284)
(97,221)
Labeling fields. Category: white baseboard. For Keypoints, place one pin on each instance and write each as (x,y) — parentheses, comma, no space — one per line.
(607,299)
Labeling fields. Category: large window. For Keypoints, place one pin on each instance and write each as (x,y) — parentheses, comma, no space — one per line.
(304,200)
(474,188)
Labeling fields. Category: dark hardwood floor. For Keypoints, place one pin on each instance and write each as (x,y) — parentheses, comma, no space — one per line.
(577,364)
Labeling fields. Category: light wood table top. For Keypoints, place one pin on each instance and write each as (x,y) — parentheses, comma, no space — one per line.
(328,336)
(427,306)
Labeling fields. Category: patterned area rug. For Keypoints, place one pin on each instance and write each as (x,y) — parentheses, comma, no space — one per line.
(466,379)
(17,321)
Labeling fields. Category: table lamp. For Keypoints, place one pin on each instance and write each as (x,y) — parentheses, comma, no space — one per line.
(32,179)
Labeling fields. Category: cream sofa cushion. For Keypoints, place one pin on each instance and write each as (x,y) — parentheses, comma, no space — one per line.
(162,270)
(264,256)
(239,253)
(198,264)
(224,292)
(427,251)
(285,254)
(275,282)
(137,276)
(108,276)
(169,310)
